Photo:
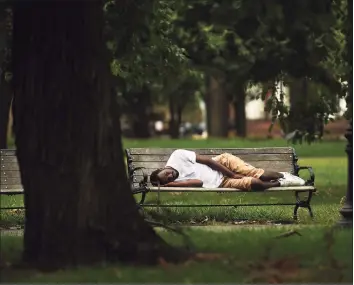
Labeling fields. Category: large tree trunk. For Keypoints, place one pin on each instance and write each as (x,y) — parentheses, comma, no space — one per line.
(79,207)
(240,111)
(217,108)
(266,90)
(172,126)
(5,104)
(298,97)
(175,109)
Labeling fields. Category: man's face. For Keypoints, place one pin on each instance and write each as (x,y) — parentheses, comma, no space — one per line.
(167,175)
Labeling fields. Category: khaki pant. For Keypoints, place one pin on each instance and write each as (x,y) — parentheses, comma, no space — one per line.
(237,165)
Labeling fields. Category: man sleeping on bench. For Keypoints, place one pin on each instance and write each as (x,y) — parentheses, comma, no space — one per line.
(185,168)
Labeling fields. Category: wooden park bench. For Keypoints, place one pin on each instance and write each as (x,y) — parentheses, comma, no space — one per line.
(142,161)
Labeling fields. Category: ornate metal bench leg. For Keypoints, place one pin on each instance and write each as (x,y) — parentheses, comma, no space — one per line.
(295,212)
(310,211)
(303,204)
(142,200)
(308,204)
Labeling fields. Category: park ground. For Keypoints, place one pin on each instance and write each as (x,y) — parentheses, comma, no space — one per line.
(236,245)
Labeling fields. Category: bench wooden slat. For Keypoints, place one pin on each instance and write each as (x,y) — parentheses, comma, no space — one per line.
(260,164)
(12,191)
(275,166)
(9,166)
(10,173)
(10,181)
(164,151)
(10,187)
(278,168)
(5,152)
(245,157)
(191,189)
(8,159)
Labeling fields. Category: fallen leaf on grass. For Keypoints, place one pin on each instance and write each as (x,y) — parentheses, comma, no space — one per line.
(204,257)
(118,273)
(208,256)
(288,234)
(194,258)
(274,272)
(163,262)
(5,264)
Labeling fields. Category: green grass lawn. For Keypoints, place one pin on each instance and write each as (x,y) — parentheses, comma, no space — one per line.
(314,254)
(233,253)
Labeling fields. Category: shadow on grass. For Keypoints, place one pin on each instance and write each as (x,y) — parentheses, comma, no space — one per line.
(315,255)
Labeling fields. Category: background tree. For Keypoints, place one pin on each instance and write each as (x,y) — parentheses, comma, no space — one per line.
(152,53)
(180,92)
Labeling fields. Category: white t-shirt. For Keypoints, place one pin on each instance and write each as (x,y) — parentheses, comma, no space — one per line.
(184,161)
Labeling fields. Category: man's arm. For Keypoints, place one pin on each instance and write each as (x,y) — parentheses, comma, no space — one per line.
(185,183)
(217,166)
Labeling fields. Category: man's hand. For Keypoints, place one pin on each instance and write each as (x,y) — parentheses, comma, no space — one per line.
(217,166)
(237,176)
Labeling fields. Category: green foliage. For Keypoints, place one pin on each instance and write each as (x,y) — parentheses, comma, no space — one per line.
(149,51)
(170,46)
(268,41)
(151,59)
(240,40)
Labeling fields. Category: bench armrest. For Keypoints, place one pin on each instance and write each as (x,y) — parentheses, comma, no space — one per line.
(310,181)
(142,183)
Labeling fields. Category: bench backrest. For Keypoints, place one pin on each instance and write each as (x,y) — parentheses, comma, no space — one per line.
(273,158)
(10,178)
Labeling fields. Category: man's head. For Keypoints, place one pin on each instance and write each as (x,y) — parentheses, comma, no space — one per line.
(163,176)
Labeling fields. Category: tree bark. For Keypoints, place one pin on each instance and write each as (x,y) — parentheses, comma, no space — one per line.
(265,90)
(79,207)
(217,108)
(175,119)
(298,105)
(5,82)
(240,111)
(5,105)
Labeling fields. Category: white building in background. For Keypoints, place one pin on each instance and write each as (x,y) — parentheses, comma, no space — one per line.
(342,106)
(255,107)
(255,110)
